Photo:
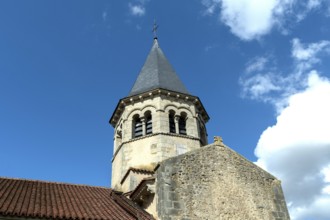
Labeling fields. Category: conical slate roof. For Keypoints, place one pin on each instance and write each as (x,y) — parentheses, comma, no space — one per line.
(157,73)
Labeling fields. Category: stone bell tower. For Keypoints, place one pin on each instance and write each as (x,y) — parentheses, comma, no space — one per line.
(158,119)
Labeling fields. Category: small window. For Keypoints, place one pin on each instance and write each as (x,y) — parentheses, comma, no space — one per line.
(172,122)
(148,123)
(182,124)
(137,126)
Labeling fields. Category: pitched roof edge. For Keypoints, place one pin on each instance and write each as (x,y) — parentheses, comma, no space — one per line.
(142,171)
(130,206)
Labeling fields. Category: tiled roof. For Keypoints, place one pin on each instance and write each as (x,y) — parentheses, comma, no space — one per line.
(157,73)
(49,200)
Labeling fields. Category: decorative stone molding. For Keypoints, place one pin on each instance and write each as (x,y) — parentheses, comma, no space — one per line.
(152,94)
(151,135)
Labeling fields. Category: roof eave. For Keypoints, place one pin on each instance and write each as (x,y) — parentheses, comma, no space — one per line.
(137,97)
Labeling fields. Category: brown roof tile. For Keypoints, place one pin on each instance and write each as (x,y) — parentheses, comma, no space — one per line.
(49,200)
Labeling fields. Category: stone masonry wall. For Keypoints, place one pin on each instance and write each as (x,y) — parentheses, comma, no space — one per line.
(146,152)
(215,182)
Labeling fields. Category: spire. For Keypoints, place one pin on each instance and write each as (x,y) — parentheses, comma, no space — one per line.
(157,73)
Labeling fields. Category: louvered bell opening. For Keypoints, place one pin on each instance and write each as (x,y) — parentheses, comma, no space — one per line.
(172,123)
(138,128)
(149,125)
(182,126)
(172,126)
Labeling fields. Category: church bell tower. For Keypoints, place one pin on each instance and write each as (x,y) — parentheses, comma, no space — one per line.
(158,119)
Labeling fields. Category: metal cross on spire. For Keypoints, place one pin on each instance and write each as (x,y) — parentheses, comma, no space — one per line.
(154,29)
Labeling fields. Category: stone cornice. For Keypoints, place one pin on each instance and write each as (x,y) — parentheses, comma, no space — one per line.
(156,93)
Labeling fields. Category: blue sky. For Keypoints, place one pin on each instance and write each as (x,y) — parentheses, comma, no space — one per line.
(261,69)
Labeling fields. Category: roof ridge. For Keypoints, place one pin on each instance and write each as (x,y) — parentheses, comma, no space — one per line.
(53,182)
(157,60)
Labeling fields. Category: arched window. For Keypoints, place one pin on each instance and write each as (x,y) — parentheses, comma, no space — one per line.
(182,123)
(148,118)
(171,121)
(137,126)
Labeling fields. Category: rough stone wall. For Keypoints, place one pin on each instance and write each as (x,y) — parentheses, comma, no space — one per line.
(215,182)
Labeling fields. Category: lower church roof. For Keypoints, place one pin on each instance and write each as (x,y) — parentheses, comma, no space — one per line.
(49,200)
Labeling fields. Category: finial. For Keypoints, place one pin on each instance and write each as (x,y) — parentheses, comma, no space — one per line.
(154,29)
(218,140)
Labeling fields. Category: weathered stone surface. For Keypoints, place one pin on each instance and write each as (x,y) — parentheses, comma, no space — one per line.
(215,182)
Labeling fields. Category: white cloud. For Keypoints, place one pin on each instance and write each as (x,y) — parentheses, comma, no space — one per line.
(211,6)
(265,83)
(259,85)
(326,172)
(303,53)
(296,148)
(319,210)
(256,64)
(306,56)
(252,19)
(137,9)
(311,4)
(248,19)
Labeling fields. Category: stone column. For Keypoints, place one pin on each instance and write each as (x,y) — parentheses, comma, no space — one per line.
(143,121)
(176,120)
